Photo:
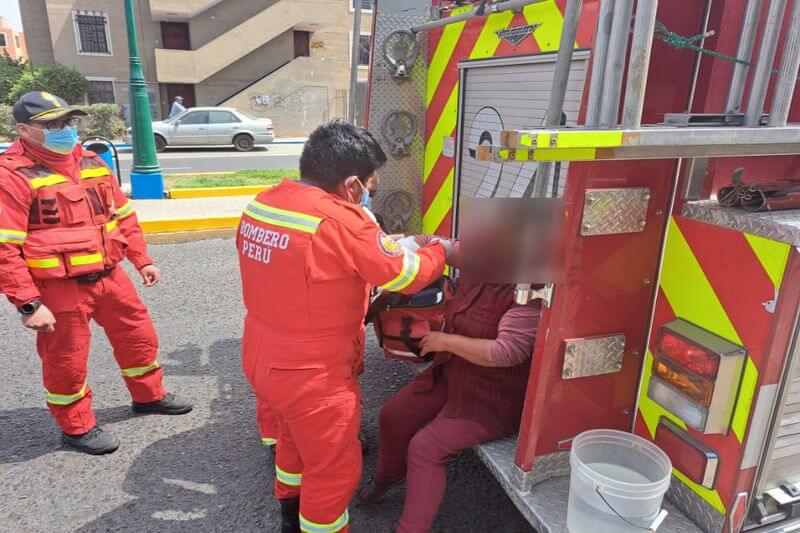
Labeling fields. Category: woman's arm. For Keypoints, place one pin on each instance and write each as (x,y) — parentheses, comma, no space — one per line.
(514,343)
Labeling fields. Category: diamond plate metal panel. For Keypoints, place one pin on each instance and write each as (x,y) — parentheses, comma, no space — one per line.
(685,499)
(388,94)
(612,211)
(545,505)
(781,226)
(593,356)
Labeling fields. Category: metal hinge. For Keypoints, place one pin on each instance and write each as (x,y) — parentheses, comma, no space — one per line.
(526,294)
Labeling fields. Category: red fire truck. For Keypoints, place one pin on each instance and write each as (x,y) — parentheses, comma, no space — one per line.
(677,318)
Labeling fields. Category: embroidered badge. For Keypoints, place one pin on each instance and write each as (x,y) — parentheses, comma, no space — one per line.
(388,245)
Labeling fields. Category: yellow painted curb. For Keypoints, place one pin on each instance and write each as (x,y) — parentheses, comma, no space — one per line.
(171,225)
(208,192)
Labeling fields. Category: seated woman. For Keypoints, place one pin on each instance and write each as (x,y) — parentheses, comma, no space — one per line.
(473,393)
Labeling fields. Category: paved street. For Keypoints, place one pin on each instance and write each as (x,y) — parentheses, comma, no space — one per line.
(205,471)
(189,160)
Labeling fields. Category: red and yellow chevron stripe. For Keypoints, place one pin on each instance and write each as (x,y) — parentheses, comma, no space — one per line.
(697,284)
(476,40)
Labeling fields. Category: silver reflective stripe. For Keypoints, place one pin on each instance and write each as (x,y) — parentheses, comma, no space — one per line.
(12,236)
(293,480)
(407,275)
(312,527)
(283,218)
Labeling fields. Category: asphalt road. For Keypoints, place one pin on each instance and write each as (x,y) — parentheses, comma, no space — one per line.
(205,471)
(191,160)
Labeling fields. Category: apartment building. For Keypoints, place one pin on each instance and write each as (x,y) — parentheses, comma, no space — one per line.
(12,42)
(288,60)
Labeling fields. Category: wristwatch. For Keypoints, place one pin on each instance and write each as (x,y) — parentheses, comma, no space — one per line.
(30,307)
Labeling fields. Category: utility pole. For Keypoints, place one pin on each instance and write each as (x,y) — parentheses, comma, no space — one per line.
(351,107)
(147,181)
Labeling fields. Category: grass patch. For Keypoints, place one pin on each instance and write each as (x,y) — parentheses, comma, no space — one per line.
(239,178)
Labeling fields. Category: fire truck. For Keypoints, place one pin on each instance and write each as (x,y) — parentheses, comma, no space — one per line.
(677,316)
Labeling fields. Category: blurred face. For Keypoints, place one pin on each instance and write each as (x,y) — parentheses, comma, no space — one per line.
(35,132)
(353,189)
(372,184)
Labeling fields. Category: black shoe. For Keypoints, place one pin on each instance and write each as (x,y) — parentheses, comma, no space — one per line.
(373,492)
(93,442)
(290,515)
(168,405)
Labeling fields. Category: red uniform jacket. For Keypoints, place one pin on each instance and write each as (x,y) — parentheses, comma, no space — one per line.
(307,261)
(61,217)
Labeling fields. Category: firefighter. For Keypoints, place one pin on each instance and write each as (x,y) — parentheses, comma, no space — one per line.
(64,227)
(308,254)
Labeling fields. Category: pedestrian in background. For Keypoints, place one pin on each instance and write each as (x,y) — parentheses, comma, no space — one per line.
(308,254)
(177,107)
(65,225)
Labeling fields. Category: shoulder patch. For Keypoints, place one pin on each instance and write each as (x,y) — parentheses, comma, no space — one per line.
(388,245)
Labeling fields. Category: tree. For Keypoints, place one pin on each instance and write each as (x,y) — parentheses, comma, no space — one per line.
(11,71)
(64,81)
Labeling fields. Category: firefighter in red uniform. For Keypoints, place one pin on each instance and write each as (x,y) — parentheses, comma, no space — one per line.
(64,227)
(308,254)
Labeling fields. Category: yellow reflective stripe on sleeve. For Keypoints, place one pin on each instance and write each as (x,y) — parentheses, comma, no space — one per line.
(111,226)
(65,399)
(293,480)
(50,262)
(125,210)
(98,172)
(90,259)
(283,218)
(12,236)
(308,526)
(136,371)
(52,179)
(407,275)
(268,441)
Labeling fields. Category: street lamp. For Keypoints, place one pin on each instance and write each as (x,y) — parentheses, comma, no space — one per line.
(147,181)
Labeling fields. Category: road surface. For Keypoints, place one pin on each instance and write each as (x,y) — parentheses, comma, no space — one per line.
(183,160)
(205,471)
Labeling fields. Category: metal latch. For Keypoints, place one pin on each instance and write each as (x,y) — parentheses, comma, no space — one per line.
(526,294)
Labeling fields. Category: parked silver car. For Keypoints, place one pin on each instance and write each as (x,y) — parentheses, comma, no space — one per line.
(205,126)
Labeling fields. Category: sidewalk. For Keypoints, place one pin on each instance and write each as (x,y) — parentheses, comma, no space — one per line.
(190,214)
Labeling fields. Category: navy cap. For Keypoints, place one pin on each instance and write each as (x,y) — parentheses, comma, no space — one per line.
(40,106)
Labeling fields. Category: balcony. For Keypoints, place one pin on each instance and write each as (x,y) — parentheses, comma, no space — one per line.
(194,66)
(179,10)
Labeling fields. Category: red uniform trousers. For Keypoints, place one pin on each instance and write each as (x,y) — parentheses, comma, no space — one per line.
(317,408)
(267,425)
(416,441)
(115,305)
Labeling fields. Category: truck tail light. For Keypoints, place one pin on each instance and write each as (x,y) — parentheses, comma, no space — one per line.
(697,359)
(696,375)
(688,454)
(697,388)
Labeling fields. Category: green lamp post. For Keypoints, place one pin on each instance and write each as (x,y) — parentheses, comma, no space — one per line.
(147,181)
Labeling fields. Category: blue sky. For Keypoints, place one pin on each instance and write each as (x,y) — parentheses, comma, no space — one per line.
(9,9)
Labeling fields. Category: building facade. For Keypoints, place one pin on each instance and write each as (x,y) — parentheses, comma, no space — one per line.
(288,60)
(12,42)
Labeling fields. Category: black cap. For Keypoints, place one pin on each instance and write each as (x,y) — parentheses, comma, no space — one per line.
(42,106)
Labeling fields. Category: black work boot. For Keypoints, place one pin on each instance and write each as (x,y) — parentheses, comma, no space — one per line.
(373,492)
(168,405)
(290,515)
(93,442)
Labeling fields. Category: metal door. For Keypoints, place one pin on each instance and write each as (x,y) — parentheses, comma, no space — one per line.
(222,126)
(191,129)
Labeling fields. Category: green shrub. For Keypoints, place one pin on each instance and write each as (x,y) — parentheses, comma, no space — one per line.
(104,120)
(10,73)
(8,128)
(63,81)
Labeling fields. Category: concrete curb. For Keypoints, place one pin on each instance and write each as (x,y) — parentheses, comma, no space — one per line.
(175,225)
(4,146)
(210,192)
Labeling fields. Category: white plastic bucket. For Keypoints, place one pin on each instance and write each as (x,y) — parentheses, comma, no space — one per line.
(617,483)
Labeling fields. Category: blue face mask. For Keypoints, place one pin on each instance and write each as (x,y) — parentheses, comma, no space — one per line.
(366,200)
(62,141)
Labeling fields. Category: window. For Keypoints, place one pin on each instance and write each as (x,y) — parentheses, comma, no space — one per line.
(195,117)
(364,49)
(91,33)
(3,39)
(16,40)
(102,92)
(221,117)
(366,5)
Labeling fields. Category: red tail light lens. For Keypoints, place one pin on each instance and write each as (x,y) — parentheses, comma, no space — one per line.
(688,355)
(688,454)
(695,387)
